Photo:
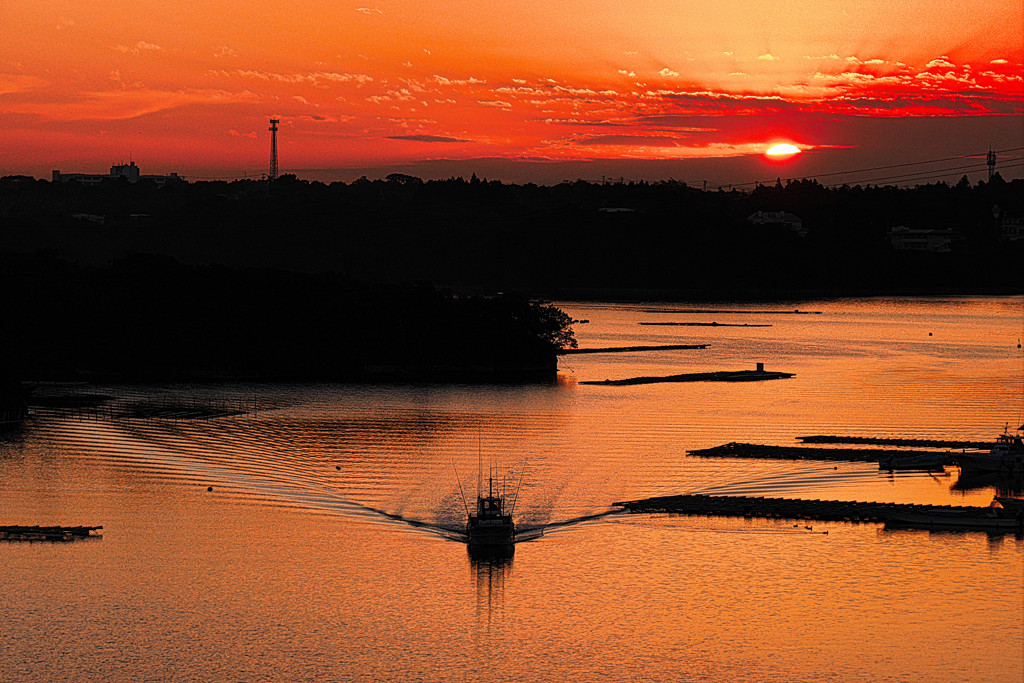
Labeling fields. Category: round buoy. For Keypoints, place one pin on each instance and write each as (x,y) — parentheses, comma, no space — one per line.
(929,334)
(209,488)
(337,467)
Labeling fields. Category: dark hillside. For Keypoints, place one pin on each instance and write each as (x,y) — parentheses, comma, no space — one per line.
(489,236)
(149,318)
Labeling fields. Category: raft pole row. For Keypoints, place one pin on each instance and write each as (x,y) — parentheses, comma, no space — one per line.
(47,533)
(822,510)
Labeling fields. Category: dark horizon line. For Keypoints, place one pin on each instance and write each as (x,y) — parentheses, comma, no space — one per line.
(950,177)
(505,169)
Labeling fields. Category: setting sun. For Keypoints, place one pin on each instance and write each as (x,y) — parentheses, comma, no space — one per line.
(373,88)
(782,151)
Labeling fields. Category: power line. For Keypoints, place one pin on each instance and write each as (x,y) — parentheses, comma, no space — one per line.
(940,172)
(916,163)
(980,165)
(949,172)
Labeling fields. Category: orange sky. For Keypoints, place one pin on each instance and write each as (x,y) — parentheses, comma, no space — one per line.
(596,86)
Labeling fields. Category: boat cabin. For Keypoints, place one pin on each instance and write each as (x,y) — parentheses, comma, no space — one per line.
(489,506)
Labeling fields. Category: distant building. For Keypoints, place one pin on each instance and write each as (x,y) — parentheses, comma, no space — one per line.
(129,171)
(83,178)
(1011,229)
(903,238)
(783,218)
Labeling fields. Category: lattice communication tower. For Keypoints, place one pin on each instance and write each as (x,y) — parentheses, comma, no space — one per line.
(273,148)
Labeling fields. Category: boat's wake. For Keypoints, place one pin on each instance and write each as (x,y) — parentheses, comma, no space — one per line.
(265,472)
(788,482)
(535,531)
(524,533)
(266,464)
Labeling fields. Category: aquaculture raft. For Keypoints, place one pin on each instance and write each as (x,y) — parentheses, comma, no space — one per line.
(897,441)
(721,376)
(47,533)
(711,324)
(630,349)
(753,450)
(926,516)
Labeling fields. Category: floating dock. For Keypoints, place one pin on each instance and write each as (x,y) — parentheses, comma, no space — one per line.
(753,450)
(711,324)
(47,533)
(687,311)
(758,375)
(916,516)
(896,441)
(627,349)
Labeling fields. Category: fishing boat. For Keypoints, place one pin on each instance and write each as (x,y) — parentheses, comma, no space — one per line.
(1006,456)
(491,531)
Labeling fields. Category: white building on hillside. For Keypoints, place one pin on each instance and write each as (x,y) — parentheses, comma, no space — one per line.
(783,218)
(903,238)
(129,171)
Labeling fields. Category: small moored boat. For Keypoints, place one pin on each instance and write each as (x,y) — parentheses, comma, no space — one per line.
(997,517)
(928,462)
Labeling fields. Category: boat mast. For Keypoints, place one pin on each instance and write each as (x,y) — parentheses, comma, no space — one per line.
(464,502)
(516,498)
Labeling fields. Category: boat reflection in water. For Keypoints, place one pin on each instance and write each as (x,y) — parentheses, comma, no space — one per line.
(489,574)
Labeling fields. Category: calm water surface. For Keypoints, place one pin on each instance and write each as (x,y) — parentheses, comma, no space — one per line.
(325,550)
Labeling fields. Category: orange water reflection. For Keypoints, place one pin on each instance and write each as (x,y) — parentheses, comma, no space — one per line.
(287,569)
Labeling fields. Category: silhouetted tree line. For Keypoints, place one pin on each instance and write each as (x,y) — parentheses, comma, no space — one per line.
(152,318)
(572,239)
